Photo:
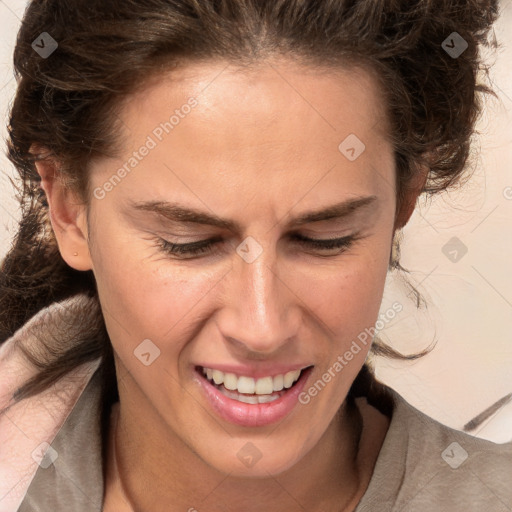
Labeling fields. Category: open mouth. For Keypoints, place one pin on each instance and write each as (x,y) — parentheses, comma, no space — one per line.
(253,391)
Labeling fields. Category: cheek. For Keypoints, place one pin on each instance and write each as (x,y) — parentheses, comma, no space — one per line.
(361,296)
(144,295)
(348,306)
(153,298)
(346,298)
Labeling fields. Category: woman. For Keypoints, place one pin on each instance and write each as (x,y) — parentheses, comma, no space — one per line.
(212,193)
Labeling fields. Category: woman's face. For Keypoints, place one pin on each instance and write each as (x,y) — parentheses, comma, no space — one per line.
(256,160)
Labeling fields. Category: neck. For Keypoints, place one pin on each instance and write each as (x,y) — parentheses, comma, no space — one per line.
(328,478)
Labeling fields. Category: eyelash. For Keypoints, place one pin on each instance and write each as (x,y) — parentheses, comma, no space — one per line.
(205,246)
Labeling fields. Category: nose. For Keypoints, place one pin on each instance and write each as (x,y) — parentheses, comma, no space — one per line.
(260,313)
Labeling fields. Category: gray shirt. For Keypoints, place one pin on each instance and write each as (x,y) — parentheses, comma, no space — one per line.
(423,466)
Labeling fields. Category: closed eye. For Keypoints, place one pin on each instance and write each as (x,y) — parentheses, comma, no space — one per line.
(203,247)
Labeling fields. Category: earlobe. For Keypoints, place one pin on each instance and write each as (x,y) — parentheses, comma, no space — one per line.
(67,216)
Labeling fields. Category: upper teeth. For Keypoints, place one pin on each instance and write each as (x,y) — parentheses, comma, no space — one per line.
(243,384)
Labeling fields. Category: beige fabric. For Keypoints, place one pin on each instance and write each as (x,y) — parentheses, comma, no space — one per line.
(25,426)
(424,466)
(74,482)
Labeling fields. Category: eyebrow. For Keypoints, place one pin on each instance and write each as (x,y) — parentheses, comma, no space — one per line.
(179,213)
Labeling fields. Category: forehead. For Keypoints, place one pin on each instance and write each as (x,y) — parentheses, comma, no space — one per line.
(266,93)
(274,125)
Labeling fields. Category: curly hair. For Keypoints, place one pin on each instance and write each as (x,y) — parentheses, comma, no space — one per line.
(67,104)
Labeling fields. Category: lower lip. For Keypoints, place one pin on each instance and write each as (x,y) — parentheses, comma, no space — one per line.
(253,415)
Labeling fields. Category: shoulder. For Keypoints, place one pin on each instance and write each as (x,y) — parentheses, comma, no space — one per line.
(425,465)
(32,427)
(71,470)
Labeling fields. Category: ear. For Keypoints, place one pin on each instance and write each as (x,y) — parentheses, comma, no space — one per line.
(67,215)
(412,192)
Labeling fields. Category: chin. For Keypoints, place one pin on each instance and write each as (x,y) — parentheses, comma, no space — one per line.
(252,459)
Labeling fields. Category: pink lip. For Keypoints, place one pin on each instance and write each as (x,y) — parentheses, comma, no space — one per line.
(253,415)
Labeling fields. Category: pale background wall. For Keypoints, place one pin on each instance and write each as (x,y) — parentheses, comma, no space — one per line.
(470,301)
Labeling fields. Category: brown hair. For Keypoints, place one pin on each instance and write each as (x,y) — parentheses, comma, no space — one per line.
(67,104)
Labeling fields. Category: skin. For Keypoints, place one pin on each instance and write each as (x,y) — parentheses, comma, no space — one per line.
(260,148)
